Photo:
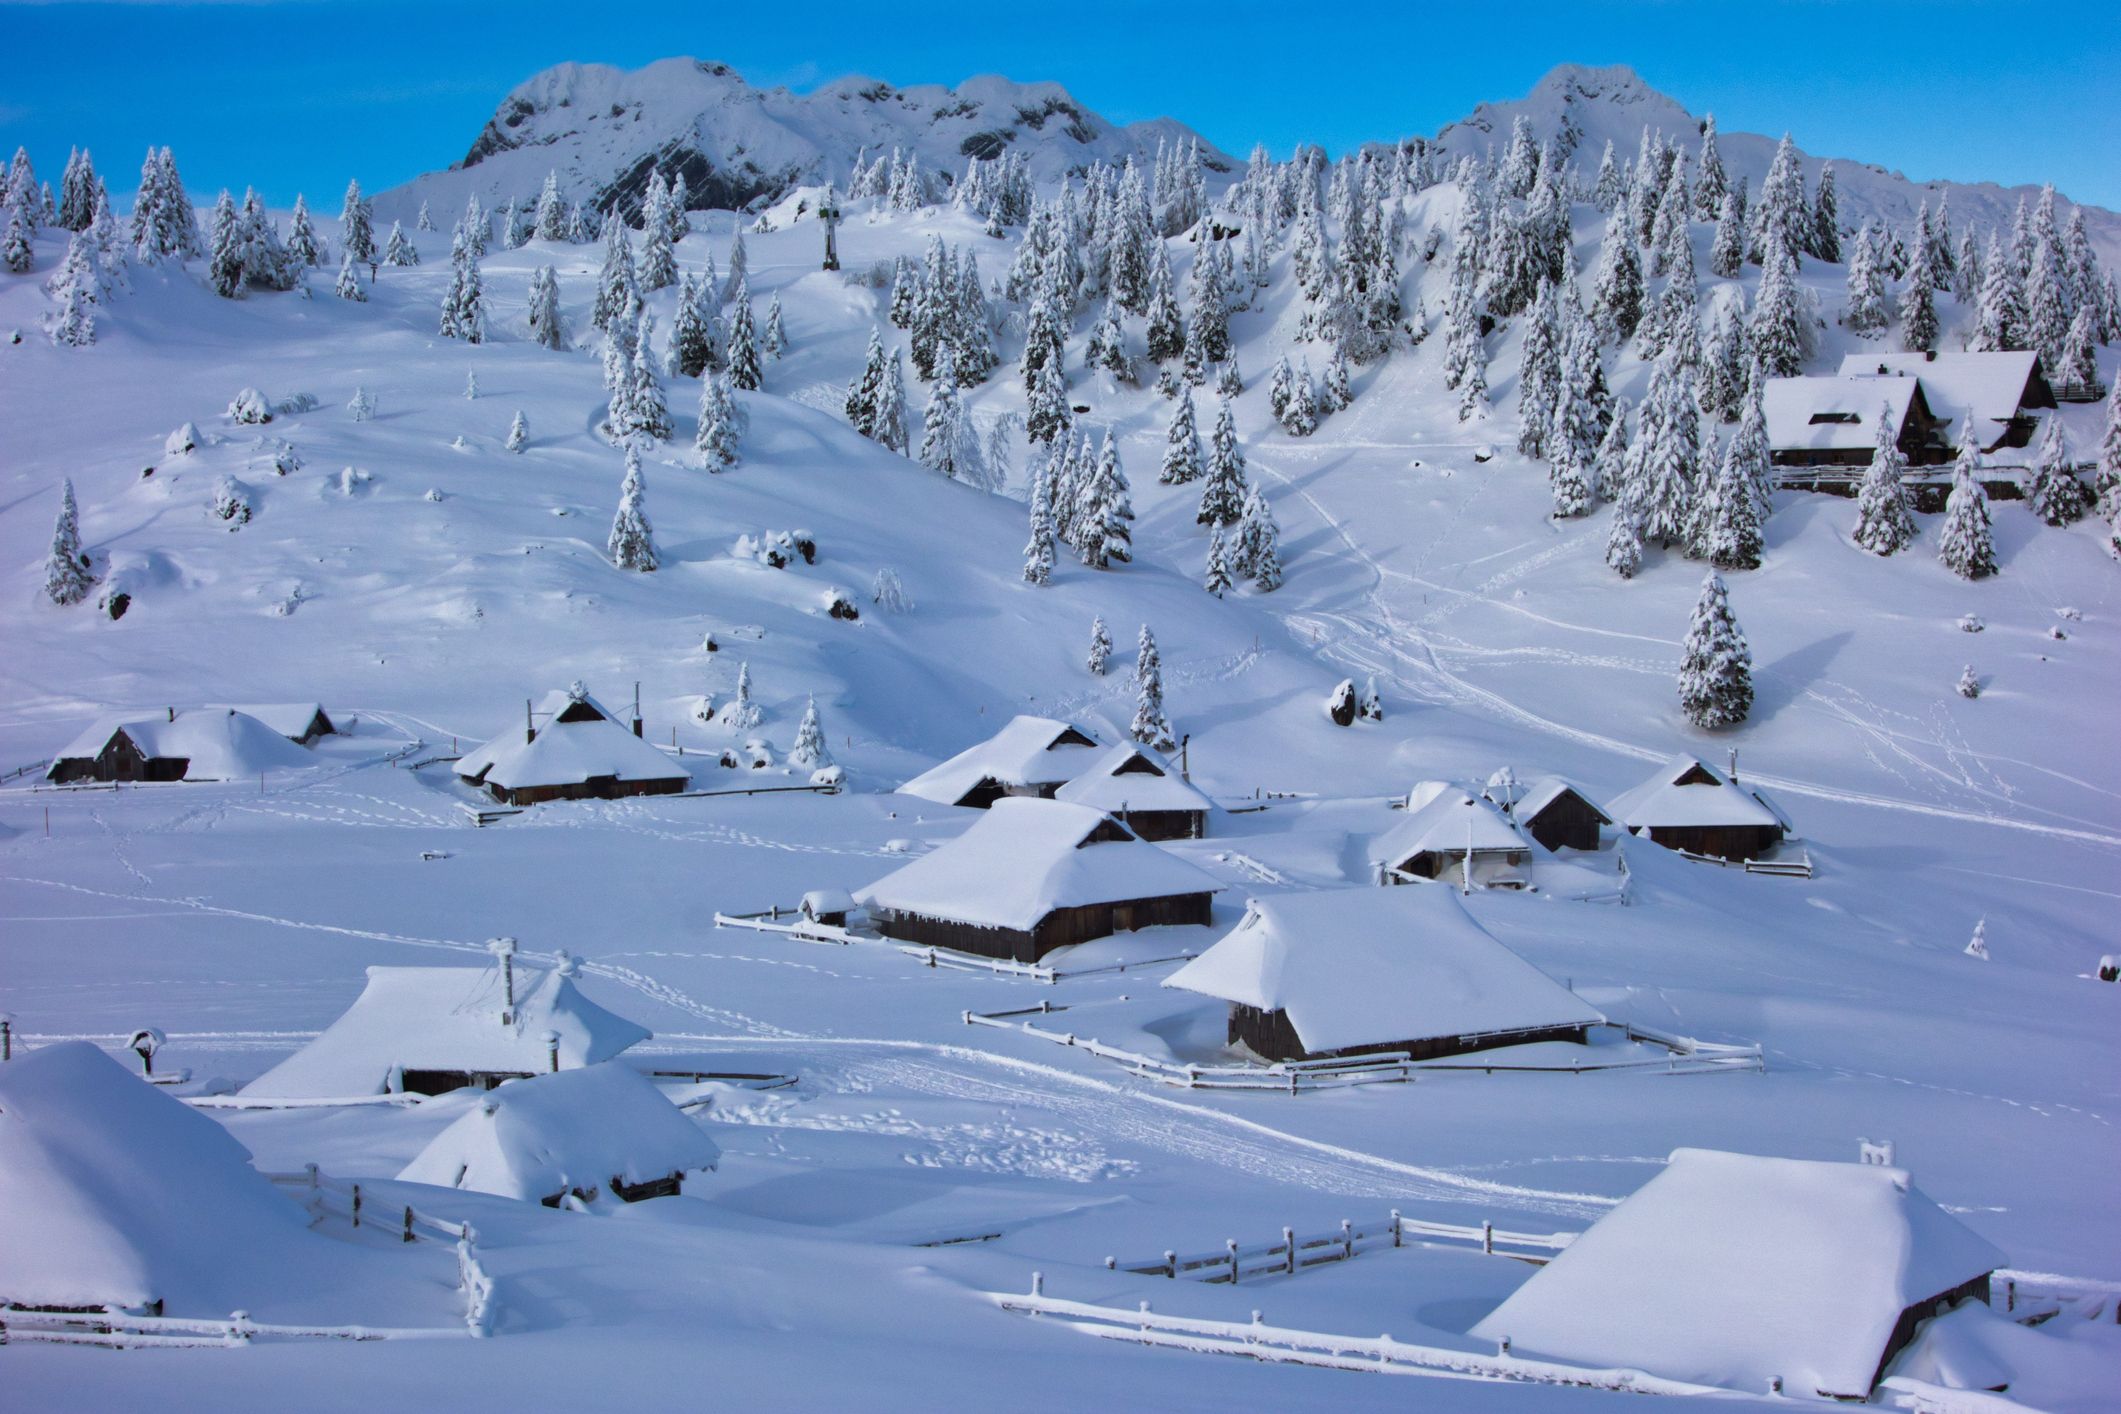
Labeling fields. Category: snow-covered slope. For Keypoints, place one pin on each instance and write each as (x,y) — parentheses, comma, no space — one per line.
(602,129)
(1583,108)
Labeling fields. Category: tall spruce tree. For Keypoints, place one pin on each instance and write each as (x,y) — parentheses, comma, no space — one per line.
(632,542)
(721,424)
(1151,726)
(1182,459)
(357,230)
(1884,524)
(2056,496)
(1716,666)
(1966,543)
(66,576)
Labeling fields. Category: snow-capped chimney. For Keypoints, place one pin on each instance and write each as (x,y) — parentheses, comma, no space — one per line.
(636,709)
(530,726)
(1734,765)
(504,952)
(552,1048)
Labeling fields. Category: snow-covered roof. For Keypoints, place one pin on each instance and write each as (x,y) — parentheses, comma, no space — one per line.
(1447,819)
(113,1192)
(1545,791)
(1708,799)
(1029,751)
(221,743)
(1125,777)
(1986,385)
(290,719)
(1027,857)
(560,699)
(532,1139)
(1731,1268)
(567,753)
(1362,967)
(448,1018)
(1837,413)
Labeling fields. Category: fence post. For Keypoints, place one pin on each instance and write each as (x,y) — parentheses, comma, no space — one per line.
(357,1205)
(239,1329)
(1347,1237)
(2010,1294)
(1487,1238)
(1170,1269)
(1231,1243)
(1395,1228)
(1038,1283)
(408,1222)
(1288,1240)
(1145,1317)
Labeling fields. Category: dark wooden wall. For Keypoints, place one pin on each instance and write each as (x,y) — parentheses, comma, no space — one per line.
(1723,841)
(1269,1034)
(1057,929)
(1568,822)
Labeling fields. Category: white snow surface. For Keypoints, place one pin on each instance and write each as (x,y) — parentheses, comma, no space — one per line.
(112,1192)
(1023,858)
(1730,1268)
(449,1018)
(220,743)
(577,1129)
(1366,966)
(1834,413)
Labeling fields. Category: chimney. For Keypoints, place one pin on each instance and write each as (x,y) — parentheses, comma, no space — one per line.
(552,1049)
(530,729)
(636,709)
(504,952)
(1734,765)
(172,713)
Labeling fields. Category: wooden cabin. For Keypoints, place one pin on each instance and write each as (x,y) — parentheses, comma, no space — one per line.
(429,1030)
(1032,756)
(571,747)
(1349,972)
(1998,393)
(1833,421)
(300,722)
(1691,807)
(1737,1269)
(1559,815)
(1141,792)
(1033,875)
(1448,832)
(194,744)
(576,1134)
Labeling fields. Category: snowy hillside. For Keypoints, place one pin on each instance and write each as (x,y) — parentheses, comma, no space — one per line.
(913,1141)
(602,129)
(1584,108)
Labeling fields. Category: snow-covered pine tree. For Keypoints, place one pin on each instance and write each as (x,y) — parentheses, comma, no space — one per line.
(349,284)
(1616,300)
(1337,390)
(2080,354)
(1151,726)
(689,345)
(550,221)
(2000,323)
(1167,328)
(518,433)
(1105,512)
(1607,472)
(650,411)
(632,543)
(75,289)
(1039,549)
(1669,227)
(66,576)
(616,287)
(1539,376)
(659,263)
(1100,647)
(1918,297)
(1623,545)
(738,267)
(2056,495)
(944,444)
(1107,346)
(721,424)
(1869,304)
(1731,526)
(1783,212)
(16,252)
(1749,444)
(773,340)
(1473,380)
(1714,184)
(809,752)
(1258,553)
(1884,524)
(1670,450)
(904,292)
(868,385)
(744,367)
(890,425)
(302,235)
(1780,332)
(1716,666)
(1047,413)
(1727,250)
(224,249)
(357,229)
(1182,457)
(2047,308)
(1222,495)
(546,327)
(1826,219)
(1725,360)
(1966,544)
(1280,384)
(464,301)
(398,250)
(1216,577)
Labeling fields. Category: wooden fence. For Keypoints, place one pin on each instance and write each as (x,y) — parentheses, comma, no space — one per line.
(1293,1254)
(972,962)
(324,1196)
(1797,868)
(1282,1345)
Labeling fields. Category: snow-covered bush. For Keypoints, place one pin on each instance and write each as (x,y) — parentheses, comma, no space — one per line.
(231,501)
(839,606)
(250,407)
(1340,705)
(888,594)
(286,461)
(184,440)
(1969,685)
(362,405)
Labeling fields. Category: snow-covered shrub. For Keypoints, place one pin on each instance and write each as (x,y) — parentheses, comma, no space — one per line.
(888,593)
(286,461)
(1971,623)
(1969,684)
(250,407)
(834,775)
(352,480)
(231,501)
(299,403)
(362,405)
(184,440)
(840,606)
(1340,705)
(1977,946)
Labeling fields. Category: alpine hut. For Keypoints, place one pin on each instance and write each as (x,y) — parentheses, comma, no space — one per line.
(580,1133)
(427,1030)
(1346,972)
(1998,392)
(300,722)
(195,744)
(1142,793)
(113,1193)
(1557,814)
(581,752)
(1453,835)
(1691,807)
(1034,875)
(1735,1270)
(1833,421)
(1029,756)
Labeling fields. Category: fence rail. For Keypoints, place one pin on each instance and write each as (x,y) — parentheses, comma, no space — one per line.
(1798,868)
(800,928)
(972,962)
(1237,1263)
(1282,1345)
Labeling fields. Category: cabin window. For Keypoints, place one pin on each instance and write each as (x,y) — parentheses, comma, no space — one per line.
(1137,766)
(1846,418)
(1071,737)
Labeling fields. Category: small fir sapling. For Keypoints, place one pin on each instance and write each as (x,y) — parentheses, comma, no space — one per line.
(362,405)
(1977,946)
(1182,457)
(740,712)
(2057,496)
(1969,684)
(518,432)
(1217,578)
(398,250)
(66,576)
(349,286)
(1151,727)
(632,543)
(809,752)
(231,502)
(1100,643)
(721,424)
(1371,707)
(888,593)
(471,386)
(1966,545)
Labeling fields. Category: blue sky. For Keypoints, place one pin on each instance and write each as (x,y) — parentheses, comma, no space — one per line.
(301,95)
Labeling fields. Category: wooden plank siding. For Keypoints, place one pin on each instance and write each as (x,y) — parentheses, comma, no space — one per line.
(1568,822)
(1723,841)
(1060,928)
(1269,1035)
